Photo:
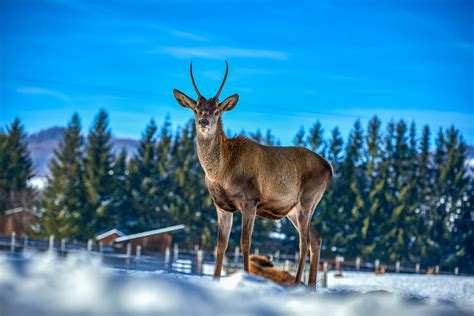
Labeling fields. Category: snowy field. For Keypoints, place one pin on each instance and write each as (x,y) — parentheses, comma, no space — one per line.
(81,285)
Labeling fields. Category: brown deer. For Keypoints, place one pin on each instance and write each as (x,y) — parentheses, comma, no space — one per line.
(271,182)
(263,266)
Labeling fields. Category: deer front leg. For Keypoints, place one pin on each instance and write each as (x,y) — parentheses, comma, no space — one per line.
(300,220)
(248,219)
(224,220)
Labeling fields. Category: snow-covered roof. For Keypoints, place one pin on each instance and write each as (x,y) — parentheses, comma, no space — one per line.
(108,233)
(14,210)
(17,210)
(150,233)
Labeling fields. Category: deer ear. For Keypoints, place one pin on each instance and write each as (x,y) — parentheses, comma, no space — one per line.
(184,100)
(229,103)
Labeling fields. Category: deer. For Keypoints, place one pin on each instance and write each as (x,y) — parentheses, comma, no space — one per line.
(272,182)
(262,266)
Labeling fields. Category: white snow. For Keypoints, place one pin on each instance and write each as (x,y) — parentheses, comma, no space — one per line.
(39,183)
(81,285)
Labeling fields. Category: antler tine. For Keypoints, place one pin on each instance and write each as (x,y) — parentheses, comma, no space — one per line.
(223,81)
(192,79)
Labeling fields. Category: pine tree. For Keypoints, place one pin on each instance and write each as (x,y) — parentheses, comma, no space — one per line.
(123,214)
(328,221)
(256,136)
(354,181)
(65,201)
(381,202)
(99,180)
(453,176)
(190,203)
(299,139)
(424,176)
(315,139)
(270,139)
(464,231)
(438,233)
(370,220)
(4,184)
(19,168)
(163,173)
(143,180)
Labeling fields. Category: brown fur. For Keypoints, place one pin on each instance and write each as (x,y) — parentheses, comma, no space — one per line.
(380,271)
(268,181)
(262,266)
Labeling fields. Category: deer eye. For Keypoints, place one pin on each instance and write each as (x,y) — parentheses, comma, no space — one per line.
(217,113)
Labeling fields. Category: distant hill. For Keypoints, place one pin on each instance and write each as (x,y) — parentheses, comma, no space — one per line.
(43,143)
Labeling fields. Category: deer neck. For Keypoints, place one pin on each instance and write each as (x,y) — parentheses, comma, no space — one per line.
(210,152)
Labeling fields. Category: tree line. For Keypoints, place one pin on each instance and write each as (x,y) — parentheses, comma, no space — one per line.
(394,196)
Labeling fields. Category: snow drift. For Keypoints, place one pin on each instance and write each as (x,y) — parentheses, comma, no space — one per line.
(81,285)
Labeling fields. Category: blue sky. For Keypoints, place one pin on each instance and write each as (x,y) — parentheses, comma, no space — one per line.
(292,62)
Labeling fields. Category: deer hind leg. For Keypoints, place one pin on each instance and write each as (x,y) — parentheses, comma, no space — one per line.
(315,242)
(224,220)
(248,219)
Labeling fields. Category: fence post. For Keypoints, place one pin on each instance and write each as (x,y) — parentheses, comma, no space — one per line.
(325,275)
(456,271)
(357,263)
(13,241)
(89,245)
(297,255)
(306,276)
(51,243)
(63,245)
(336,263)
(277,257)
(25,242)
(257,251)
(225,261)
(397,266)
(129,250)
(139,251)
(175,251)
(236,254)
(436,270)
(417,268)
(199,256)
(167,255)
(377,264)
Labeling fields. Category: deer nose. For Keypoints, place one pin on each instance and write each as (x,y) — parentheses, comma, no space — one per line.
(204,122)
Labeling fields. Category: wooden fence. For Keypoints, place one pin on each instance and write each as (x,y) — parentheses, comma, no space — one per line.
(198,261)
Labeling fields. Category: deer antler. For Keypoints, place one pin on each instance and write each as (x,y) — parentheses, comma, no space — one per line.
(223,81)
(192,79)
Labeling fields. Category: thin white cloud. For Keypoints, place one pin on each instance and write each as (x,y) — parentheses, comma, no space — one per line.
(339,77)
(221,52)
(41,91)
(188,35)
(466,45)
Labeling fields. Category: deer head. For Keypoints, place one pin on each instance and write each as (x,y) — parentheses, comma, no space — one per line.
(207,112)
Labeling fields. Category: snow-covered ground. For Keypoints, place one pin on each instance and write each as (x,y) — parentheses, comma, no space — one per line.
(82,285)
